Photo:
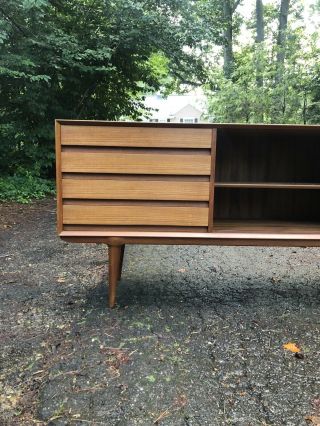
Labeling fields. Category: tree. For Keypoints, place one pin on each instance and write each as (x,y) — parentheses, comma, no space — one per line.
(281,39)
(259,21)
(229,9)
(259,40)
(219,24)
(84,59)
(275,77)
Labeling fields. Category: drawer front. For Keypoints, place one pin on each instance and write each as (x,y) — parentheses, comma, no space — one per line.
(135,189)
(134,177)
(143,137)
(163,163)
(135,215)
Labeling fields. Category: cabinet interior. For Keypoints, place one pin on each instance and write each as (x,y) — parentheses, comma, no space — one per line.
(267,180)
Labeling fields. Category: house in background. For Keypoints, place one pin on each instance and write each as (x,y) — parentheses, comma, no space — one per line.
(176,108)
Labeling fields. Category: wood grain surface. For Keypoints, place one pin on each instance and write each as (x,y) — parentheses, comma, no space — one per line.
(136,137)
(134,190)
(94,162)
(134,215)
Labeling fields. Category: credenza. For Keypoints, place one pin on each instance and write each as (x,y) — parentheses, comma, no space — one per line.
(208,184)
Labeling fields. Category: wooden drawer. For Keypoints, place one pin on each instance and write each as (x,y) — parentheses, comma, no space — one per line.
(135,176)
(135,163)
(133,189)
(134,215)
(136,137)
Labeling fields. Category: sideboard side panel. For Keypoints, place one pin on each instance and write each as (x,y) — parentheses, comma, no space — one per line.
(212,178)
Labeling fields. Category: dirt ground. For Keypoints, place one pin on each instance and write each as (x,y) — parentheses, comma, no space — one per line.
(196,339)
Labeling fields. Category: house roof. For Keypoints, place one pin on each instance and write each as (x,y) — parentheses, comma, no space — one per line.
(188,108)
(170,106)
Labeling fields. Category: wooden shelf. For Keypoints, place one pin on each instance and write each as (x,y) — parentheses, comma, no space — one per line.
(267,185)
(267,227)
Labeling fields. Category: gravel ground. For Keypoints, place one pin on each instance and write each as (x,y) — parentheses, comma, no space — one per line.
(196,339)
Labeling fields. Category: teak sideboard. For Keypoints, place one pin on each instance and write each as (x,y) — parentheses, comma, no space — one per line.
(208,184)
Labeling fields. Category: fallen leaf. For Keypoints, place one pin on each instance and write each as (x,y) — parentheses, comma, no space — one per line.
(292,347)
(315,420)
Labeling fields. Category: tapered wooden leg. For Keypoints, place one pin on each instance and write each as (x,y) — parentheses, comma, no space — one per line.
(114,268)
(121,260)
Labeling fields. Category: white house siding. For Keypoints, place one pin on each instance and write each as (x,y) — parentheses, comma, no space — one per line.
(175,108)
(188,112)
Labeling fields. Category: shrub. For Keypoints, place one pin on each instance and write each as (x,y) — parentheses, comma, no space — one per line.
(25,187)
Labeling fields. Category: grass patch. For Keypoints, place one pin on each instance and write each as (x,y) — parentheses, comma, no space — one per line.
(25,188)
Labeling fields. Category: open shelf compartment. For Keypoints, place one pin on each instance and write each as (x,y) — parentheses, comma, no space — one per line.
(267,181)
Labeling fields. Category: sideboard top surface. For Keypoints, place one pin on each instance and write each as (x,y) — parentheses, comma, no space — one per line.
(227,126)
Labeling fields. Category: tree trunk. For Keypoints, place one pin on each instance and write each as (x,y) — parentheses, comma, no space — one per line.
(304,109)
(259,52)
(259,21)
(229,8)
(281,40)
(228,39)
(259,39)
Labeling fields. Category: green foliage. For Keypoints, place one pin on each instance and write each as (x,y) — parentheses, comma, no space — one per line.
(87,59)
(255,94)
(24,188)
(97,59)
